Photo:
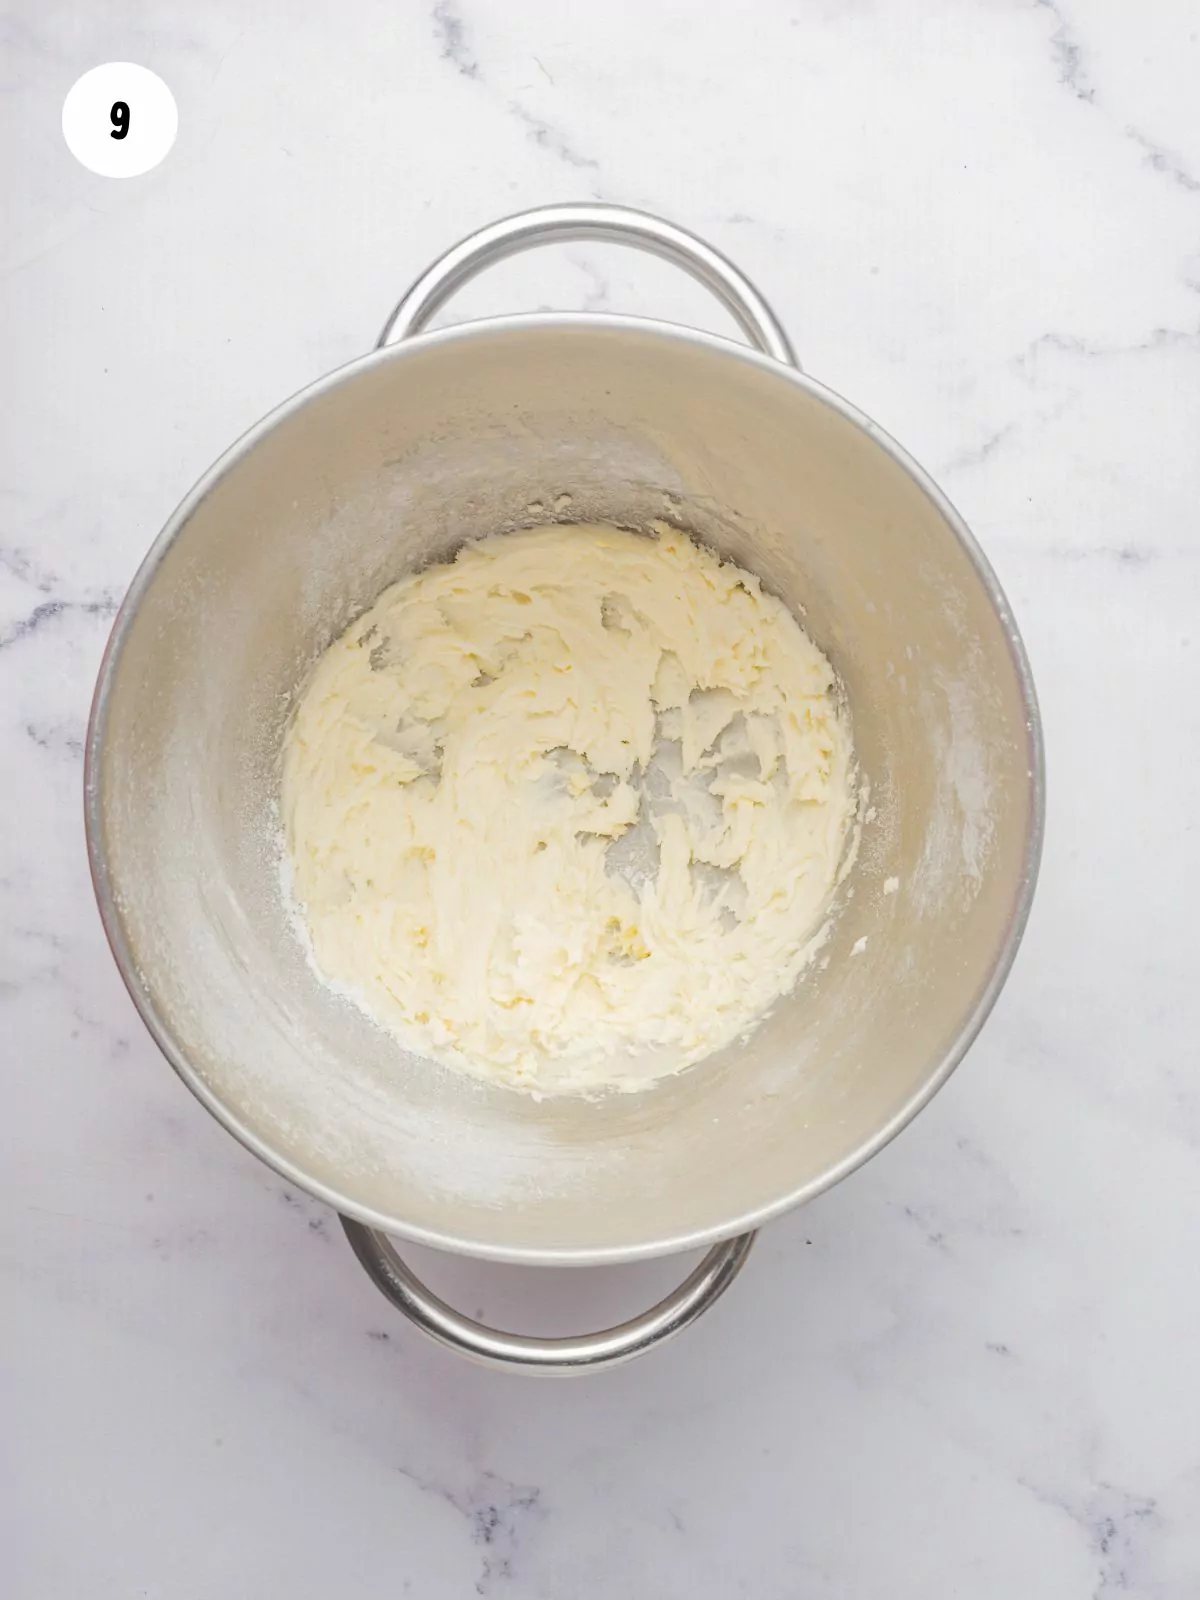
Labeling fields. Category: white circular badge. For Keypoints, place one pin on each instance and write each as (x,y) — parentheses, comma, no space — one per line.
(119,120)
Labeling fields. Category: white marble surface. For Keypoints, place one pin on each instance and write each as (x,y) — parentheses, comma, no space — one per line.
(972,1370)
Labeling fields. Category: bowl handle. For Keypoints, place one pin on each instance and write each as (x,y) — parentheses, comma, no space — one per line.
(521,1352)
(603,224)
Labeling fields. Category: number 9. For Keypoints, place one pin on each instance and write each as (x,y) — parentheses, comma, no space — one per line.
(119,116)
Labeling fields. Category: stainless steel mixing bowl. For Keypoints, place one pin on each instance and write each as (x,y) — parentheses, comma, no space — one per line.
(394,461)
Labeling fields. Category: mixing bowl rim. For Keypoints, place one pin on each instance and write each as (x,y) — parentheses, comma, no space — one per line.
(157,1023)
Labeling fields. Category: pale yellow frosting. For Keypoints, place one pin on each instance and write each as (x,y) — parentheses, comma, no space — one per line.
(567,812)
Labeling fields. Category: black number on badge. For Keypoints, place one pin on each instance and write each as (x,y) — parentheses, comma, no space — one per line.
(120,119)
